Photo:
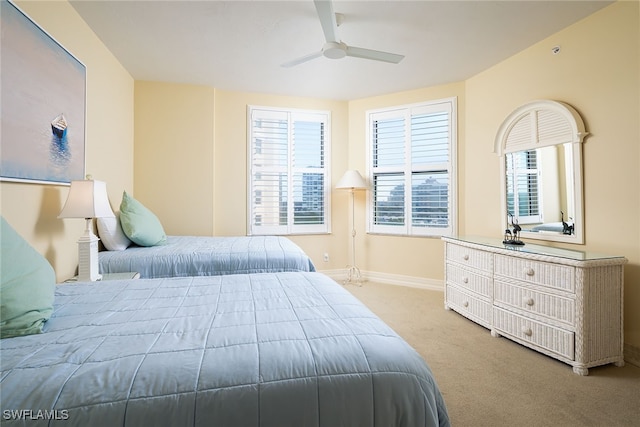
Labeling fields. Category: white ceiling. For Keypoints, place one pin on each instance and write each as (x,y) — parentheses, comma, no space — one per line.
(240,45)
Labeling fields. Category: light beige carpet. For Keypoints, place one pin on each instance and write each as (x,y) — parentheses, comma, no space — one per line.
(489,381)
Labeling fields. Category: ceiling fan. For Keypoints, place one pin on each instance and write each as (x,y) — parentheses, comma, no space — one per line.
(334,48)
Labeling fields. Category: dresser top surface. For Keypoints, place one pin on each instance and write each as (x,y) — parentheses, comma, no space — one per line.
(493,243)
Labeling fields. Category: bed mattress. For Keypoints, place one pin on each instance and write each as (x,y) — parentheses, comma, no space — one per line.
(208,256)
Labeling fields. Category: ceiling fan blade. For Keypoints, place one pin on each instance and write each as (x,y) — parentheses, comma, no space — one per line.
(302,59)
(327,20)
(334,48)
(376,55)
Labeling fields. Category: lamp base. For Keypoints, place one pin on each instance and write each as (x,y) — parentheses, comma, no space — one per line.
(88,257)
(353,276)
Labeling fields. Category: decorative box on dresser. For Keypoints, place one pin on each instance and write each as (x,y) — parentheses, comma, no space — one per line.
(563,303)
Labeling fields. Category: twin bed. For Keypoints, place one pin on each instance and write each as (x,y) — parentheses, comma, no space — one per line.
(268,348)
(135,241)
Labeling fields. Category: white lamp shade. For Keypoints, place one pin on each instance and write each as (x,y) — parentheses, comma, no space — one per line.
(87,199)
(352,180)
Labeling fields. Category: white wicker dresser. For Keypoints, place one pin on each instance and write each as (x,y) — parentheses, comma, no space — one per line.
(563,303)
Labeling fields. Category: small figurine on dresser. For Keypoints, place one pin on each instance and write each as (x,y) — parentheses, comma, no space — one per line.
(513,237)
(566,228)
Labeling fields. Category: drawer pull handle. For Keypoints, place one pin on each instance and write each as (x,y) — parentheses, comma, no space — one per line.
(465,257)
(466,303)
(465,280)
(529,301)
(529,272)
(527,331)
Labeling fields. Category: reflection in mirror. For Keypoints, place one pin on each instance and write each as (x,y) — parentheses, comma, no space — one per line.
(541,145)
(540,187)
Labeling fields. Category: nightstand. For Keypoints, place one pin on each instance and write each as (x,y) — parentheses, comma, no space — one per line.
(111,276)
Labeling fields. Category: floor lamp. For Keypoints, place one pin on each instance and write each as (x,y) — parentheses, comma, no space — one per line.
(87,199)
(352,181)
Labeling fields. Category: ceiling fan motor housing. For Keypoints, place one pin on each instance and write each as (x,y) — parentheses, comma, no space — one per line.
(334,50)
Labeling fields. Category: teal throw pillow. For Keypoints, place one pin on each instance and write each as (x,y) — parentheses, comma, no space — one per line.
(139,224)
(27,286)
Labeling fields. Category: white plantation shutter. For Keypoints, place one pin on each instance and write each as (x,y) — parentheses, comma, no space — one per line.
(389,130)
(430,142)
(288,171)
(412,147)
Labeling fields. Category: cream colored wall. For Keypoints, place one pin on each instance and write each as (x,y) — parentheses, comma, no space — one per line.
(597,71)
(191,161)
(174,163)
(32,209)
(400,256)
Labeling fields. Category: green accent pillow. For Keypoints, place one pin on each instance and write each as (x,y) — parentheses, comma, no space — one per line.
(27,287)
(140,225)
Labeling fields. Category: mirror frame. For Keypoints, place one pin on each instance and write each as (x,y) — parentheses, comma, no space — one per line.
(543,123)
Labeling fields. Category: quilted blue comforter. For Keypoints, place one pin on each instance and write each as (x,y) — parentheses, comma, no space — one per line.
(281,349)
(208,256)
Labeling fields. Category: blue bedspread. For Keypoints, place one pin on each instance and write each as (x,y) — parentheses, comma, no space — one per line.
(208,256)
(281,349)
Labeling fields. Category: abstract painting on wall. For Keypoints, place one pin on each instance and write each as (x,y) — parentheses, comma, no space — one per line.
(43,86)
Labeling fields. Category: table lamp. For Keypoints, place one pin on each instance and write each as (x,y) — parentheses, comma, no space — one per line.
(87,199)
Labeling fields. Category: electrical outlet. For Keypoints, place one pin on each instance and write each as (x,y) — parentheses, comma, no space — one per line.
(325,258)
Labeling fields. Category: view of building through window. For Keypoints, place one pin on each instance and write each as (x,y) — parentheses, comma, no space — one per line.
(411,147)
(288,163)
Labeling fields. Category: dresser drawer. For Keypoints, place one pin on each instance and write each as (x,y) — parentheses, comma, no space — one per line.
(540,273)
(469,306)
(469,279)
(472,258)
(550,338)
(526,299)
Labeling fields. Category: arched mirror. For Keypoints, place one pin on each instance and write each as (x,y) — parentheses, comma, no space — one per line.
(540,144)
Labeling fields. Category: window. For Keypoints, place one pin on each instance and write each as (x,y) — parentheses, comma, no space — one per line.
(288,171)
(411,153)
(523,186)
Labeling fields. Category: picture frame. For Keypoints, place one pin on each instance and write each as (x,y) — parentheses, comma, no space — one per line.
(43,104)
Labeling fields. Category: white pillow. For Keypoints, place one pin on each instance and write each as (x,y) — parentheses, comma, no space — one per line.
(111,234)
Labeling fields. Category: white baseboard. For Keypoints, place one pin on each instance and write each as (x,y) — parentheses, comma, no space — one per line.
(389,279)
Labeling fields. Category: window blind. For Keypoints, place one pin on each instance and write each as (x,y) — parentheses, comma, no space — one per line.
(410,165)
(288,171)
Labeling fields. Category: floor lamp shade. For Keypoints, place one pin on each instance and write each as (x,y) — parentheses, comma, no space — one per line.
(87,199)
(352,180)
